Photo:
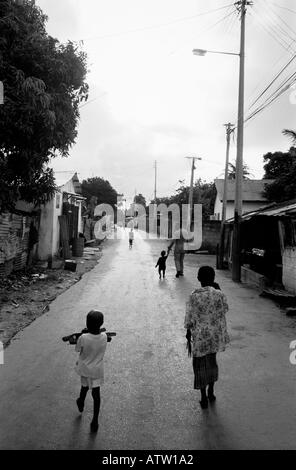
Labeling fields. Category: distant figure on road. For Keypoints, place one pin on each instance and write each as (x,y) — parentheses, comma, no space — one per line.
(206,324)
(161,263)
(90,366)
(179,251)
(131,237)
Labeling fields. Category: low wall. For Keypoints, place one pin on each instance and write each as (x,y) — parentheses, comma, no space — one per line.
(289,269)
(250,277)
(210,235)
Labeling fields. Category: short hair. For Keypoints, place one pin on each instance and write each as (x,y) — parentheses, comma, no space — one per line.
(206,274)
(162,253)
(94,321)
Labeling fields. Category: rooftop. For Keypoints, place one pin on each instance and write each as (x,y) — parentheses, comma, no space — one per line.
(252,190)
(282,209)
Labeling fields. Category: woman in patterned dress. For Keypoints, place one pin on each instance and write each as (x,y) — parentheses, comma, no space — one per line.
(206,326)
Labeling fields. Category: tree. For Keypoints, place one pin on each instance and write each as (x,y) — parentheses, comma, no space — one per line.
(203,193)
(140,199)
(98,189)
(281,167)
(232,171)
(44,83)
(291,134)
(278,164)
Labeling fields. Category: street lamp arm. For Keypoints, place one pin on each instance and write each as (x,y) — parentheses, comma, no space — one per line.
(202,52)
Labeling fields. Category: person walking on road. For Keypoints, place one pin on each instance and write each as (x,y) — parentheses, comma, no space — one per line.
(206,327)
(179,251)
(131,237)
(161,263)
(90,366)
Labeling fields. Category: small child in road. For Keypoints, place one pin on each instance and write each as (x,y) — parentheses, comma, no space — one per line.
(131,237)
(161,263)
(90,366)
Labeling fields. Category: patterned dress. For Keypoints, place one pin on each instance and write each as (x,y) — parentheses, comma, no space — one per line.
(205,317)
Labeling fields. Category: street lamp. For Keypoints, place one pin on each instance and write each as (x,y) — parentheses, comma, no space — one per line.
(203,52)
(236,269)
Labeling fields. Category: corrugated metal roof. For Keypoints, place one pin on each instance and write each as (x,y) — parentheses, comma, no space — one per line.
(62,178)
(272,210)
(252,190)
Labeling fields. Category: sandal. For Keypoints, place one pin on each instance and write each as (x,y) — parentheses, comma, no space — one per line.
(203,404)
(80,405)
(94,426)
(211,398)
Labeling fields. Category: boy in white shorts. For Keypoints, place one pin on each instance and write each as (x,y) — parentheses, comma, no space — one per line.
(90,365)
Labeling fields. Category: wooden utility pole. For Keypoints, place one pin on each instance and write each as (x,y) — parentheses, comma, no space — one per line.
(155,180)
(229,130)
(236,243)
(190,199)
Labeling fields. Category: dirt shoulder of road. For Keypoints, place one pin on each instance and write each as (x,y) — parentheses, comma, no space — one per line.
(26,295)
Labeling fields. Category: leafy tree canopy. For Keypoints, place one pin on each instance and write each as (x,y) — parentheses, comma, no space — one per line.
(281,167)
(203,193)
(140,199)
(232,171)
(99,191)
(44,83)
(278,163)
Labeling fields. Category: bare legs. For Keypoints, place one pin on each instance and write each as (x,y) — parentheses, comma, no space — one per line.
(163,273)
(211,395)
(81,399)
(97,403)
(207,397)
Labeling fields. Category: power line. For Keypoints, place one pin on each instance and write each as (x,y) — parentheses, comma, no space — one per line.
(286,80)
(224,18)
(227,23)
(273,81)
(276,94)
(205,30)
(282,88)
(277,17)
(284,8)
(162,25)
(272,68)
(277,29)
(263,79)
(233,23)
(282,42)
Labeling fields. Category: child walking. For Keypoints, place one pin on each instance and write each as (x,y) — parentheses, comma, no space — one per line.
(131,237)
(90,365)
(161,263)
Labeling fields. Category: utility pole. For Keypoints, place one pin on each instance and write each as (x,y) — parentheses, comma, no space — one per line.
(190,199)
(229,130)
(155,178)
(236,248)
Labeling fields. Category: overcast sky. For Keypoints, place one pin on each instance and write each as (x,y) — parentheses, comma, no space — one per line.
(152,99)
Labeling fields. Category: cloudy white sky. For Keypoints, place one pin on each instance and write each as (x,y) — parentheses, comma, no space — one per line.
(152,99)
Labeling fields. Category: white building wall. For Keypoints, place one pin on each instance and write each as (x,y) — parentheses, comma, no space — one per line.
(46,231)
(247,207)
(49,232)
(289,269)
(58,209)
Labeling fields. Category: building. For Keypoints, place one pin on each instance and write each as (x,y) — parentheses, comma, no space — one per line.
(268,246)
(66,203)
(252,196)
(16,243)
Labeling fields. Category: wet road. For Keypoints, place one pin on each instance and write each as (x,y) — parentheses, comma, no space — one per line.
(148,401)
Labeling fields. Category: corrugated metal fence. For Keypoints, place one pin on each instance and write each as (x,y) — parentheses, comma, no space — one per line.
(14,242)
